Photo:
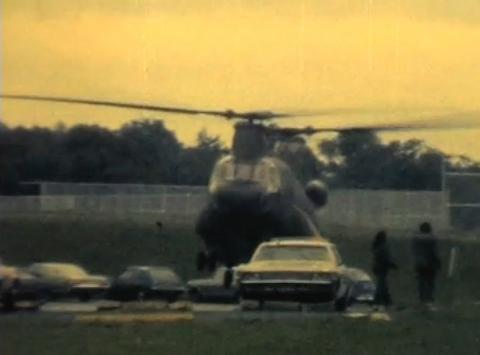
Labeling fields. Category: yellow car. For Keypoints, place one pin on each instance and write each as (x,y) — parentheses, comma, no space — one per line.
(299,270)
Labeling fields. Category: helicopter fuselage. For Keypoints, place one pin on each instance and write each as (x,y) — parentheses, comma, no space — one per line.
(252,201)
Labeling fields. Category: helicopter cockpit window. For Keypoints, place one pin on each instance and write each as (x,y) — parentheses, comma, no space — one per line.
(262,172)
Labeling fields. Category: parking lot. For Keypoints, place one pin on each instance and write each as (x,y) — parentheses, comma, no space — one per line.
(111,312)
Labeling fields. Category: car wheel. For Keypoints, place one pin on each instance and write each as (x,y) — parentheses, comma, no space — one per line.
(44,296)
(84,297)
(8,298)
(195,296)
(340,304)
(8,301)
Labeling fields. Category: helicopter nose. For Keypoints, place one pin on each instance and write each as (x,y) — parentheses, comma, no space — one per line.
(242,197)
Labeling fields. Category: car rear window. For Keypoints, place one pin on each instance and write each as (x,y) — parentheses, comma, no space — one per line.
(280,252)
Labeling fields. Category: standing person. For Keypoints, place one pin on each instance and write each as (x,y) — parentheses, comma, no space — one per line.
(427,263)
(382,264)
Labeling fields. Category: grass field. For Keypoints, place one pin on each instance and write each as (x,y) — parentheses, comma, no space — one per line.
(107,246)
(439,333)
(100,245)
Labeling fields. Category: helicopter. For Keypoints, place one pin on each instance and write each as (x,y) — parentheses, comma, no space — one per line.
(253,194)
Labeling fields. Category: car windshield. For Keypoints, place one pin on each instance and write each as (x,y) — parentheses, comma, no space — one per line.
(280,252)
(63,270)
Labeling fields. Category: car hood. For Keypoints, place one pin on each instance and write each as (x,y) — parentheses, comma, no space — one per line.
(288,266)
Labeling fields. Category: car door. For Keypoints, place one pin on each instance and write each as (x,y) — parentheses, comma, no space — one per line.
(128,285)
(50,284)
(143,283)
(218,285)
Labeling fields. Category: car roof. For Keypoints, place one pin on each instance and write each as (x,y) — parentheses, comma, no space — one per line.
(56,264)
(313,242)
(148,267)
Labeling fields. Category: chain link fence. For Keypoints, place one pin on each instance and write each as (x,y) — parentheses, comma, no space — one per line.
(352,210)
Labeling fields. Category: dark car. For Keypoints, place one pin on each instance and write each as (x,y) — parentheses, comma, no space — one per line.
(68,280)
(212,289)
(17,285)
(140,283)
(362,288)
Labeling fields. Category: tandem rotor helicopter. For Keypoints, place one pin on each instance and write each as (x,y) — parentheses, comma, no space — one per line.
(253,194)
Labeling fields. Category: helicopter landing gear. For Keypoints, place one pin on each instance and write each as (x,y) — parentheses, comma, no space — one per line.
(201,260)
(228,278)
(206,261)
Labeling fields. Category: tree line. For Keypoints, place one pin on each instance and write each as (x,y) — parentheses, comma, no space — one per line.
(142,151)
(145,151)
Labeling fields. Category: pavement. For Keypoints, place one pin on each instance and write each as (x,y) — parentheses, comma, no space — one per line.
(111,312)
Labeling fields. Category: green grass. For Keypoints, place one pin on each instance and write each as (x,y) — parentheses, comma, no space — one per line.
(100,245)
(441,333)
(107,246)
(462,287)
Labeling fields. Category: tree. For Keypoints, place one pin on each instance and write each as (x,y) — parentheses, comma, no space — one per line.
(87,153)
(149,151)
(358,159)
(300,158)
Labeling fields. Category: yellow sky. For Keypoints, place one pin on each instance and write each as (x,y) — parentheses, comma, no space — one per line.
(243,54)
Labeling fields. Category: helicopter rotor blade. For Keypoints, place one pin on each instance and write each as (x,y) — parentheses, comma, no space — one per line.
(446,121)
(126,105)
(461,120)
(367,111)
(228,114)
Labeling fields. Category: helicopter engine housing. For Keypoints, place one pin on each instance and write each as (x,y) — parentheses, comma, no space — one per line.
(317,192)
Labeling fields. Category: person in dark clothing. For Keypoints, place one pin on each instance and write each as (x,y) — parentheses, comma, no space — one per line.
(427,262)
(382,264)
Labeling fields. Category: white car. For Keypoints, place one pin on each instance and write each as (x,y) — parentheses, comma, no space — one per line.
(301,270)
